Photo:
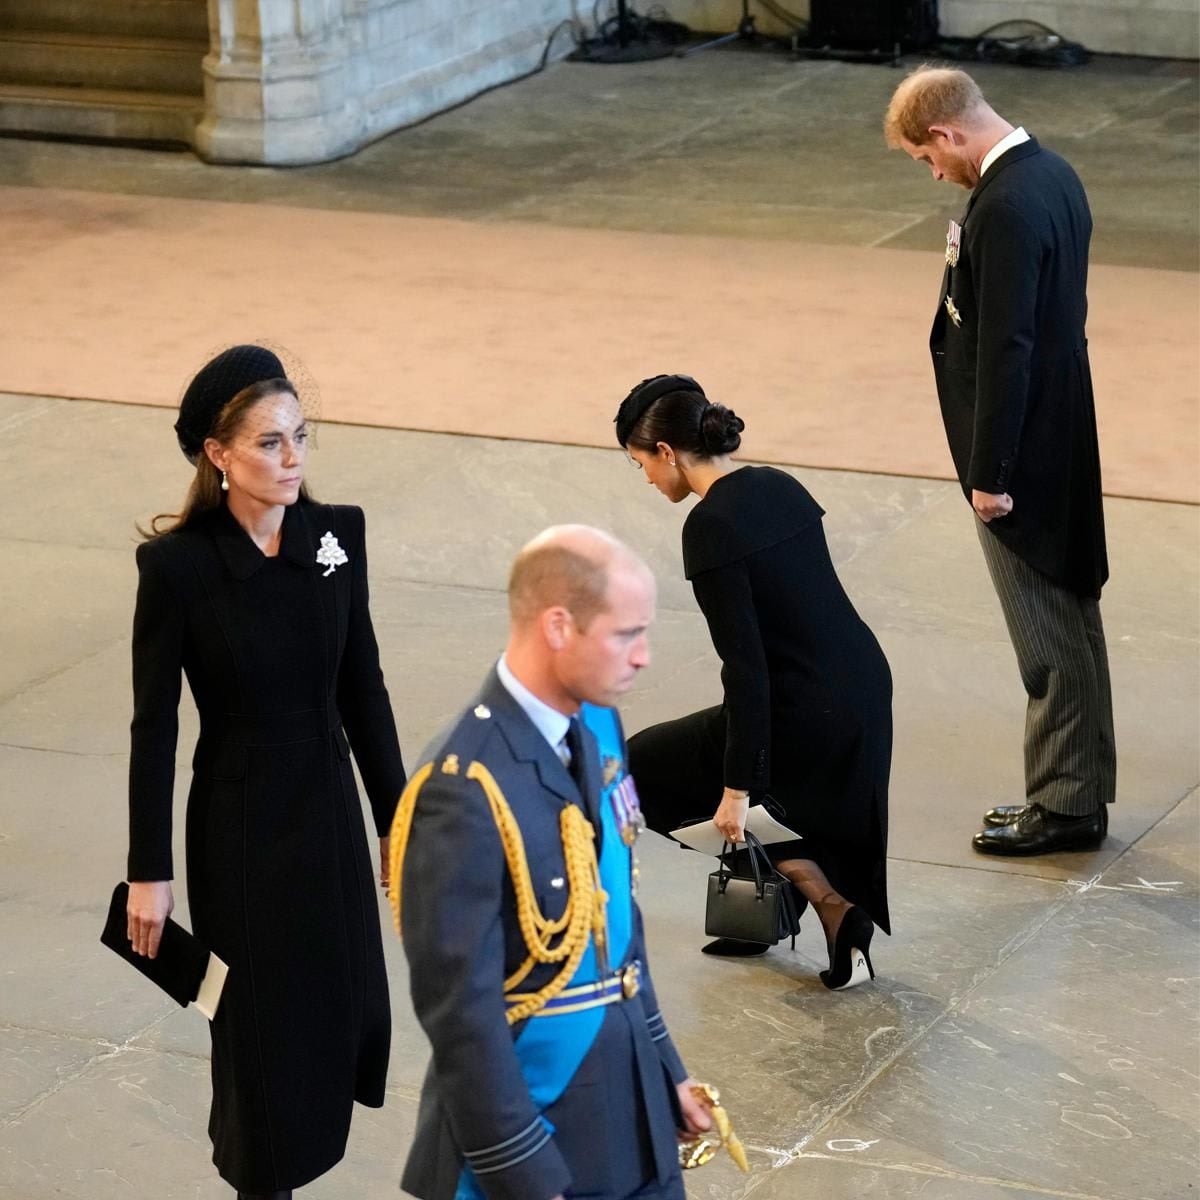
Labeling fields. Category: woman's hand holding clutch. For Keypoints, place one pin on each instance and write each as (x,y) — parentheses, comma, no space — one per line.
(150,904)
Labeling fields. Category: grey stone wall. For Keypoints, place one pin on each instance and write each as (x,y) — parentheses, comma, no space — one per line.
(1159,28)
(310,80)
(1162,28)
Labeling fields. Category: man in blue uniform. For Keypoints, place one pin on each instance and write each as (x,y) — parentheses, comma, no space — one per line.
(513,880)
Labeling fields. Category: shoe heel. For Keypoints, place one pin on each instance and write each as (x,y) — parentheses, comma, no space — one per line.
(860,969)
(850,965)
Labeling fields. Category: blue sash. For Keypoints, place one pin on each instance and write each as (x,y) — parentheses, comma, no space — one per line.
(551,1049)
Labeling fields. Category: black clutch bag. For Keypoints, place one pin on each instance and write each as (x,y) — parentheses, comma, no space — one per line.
(182,964)
(748,900)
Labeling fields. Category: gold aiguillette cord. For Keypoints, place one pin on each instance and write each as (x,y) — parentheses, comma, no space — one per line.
(703,1147)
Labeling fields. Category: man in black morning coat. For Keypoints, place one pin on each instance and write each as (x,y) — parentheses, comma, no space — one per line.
(1011,364)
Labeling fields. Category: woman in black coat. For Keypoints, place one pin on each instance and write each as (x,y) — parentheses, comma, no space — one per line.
(807,714)
(259,596)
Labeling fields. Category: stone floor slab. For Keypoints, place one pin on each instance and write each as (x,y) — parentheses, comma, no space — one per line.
(56,977)
(785,1052)
(133,1125)
(1165,859)
(1032,1081)
(844,1176)
(91,587)
(46,440)
(33,1064)
(58,817)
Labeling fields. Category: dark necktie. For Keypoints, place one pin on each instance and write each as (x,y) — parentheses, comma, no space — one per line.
(574,740)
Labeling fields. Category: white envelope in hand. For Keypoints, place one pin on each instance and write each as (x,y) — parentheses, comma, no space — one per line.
(708,839)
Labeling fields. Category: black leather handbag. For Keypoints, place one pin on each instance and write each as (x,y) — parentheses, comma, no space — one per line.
(748,900)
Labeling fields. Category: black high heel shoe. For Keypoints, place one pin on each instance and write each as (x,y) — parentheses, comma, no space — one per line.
(850,962)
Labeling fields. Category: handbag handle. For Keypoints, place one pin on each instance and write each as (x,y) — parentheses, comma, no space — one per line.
(754,849)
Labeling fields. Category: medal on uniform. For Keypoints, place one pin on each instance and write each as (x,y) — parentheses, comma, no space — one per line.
(628,810)
(611,767)
(952,312)
(953,242)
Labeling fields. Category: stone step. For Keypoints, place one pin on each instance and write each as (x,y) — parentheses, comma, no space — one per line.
(121,62)
(88,113)
(145,18)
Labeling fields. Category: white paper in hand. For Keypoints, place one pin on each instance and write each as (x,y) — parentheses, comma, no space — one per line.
(707,838)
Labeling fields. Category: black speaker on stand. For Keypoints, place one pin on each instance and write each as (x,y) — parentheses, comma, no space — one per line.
(868,30)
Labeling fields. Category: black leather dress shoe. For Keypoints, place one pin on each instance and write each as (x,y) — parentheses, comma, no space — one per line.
(1038,831)
(1003,814)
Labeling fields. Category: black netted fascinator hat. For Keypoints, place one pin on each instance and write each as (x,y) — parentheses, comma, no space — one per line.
(215,384)
(634,406)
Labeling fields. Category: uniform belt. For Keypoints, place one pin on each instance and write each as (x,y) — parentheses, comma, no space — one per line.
(622,984)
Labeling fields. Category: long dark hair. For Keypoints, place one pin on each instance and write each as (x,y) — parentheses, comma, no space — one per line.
(690,424)
(205,493)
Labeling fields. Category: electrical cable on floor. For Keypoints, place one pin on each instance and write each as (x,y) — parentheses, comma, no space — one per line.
(1043,47)
(627,36)
(578,35)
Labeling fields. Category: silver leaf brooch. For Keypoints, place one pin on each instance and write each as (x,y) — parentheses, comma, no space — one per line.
(330,555)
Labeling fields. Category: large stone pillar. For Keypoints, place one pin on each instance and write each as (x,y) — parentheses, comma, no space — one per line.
(279,85)
(303,81)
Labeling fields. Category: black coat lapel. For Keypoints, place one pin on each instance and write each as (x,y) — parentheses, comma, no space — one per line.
(235,546)
(296,540)
(243,558)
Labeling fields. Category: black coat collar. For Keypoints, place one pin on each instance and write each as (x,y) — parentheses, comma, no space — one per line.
(744,512)
(1016,154)
(527,744)
(243,558)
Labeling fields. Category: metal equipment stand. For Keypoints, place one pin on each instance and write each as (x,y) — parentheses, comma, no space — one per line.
(745,32)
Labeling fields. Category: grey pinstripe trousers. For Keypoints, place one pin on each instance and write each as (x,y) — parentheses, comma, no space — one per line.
(1070,754)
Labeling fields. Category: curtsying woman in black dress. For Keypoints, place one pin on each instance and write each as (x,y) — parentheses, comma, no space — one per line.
(807,715)
(259,596)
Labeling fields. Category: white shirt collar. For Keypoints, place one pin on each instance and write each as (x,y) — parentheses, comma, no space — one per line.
(1006,143)
(549,722)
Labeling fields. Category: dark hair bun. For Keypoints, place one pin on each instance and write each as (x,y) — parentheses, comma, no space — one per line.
(720,430)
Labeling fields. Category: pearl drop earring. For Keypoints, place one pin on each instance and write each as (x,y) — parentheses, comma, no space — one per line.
(224,482)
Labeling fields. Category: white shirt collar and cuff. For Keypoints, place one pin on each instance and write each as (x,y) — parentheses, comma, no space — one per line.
(1005,144)
(549,722)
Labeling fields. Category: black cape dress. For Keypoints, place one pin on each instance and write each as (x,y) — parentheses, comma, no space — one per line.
(807,714)
(282,662)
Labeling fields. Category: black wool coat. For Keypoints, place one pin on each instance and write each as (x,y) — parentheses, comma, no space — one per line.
(808,691)
(1013,377)
(282,662)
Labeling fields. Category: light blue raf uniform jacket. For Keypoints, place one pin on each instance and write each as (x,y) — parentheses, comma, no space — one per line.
(580,1098)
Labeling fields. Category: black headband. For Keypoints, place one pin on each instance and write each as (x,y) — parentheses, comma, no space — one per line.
(215,384)
(634,406)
